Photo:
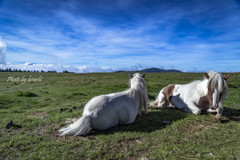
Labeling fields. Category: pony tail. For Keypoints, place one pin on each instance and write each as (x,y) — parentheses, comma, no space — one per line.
(80,127)
(145,101)
(155,103)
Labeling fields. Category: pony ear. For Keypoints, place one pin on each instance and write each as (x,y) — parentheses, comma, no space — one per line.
(207,76)
(143,75)
(226,76)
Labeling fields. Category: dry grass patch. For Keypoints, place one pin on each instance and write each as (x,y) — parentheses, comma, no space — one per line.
(41,115)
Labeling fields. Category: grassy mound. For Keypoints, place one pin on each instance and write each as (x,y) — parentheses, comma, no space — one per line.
(26,94)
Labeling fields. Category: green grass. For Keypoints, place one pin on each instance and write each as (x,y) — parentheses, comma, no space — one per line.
(35,106)
(26,94)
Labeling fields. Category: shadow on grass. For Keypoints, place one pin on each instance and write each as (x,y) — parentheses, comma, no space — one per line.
(232,114)
(156,119)
(151,97)
(229,114)
(159,118)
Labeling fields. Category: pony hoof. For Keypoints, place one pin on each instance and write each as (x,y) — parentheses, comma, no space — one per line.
(218,116)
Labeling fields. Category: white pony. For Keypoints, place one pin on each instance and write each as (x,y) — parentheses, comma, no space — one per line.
(196,96)
(106,111)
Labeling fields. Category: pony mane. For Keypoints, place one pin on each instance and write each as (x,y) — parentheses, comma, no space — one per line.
(138,89)
(216,80)
(137,81)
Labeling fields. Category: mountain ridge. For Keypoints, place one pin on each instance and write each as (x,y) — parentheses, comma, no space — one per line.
(153,70)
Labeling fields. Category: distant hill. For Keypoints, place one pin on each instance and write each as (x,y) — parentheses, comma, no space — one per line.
(156,70)
(153,70)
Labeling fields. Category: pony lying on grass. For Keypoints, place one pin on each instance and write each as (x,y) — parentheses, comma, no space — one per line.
(194,97)
(106,111)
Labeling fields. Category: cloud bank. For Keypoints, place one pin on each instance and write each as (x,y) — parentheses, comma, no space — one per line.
(53,67)
(2,52)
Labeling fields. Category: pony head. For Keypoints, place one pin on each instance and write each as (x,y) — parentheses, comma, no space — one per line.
(137,80)
(136,74)
(217,88)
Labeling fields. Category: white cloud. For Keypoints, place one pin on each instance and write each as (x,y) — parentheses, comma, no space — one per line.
(58,67)
(2,51)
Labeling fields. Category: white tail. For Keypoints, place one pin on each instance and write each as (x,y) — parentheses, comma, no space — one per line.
(80,127)
(155,103)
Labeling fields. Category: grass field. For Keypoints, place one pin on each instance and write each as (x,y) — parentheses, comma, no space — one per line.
(39,109)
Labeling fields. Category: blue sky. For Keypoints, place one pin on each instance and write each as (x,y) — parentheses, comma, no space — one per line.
(108,35)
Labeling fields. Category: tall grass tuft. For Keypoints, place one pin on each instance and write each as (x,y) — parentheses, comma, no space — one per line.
(26,94)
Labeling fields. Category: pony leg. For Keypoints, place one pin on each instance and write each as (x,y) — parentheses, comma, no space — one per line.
(164,104)
(219,110)
(158,102)
(194,109)
(219,113)
(211,110)
(162,101)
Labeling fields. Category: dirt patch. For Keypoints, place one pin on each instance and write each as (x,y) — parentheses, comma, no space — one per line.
(195,129)
(12,131)
(41,115)
(198,128)
(71,109)
(11,128)
(51,132)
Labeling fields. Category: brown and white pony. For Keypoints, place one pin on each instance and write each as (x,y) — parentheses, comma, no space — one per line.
(194,97)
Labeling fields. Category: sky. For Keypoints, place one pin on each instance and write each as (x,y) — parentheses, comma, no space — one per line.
(110,35)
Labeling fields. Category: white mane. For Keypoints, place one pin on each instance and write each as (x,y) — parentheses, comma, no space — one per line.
(138,90)
(217,81)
